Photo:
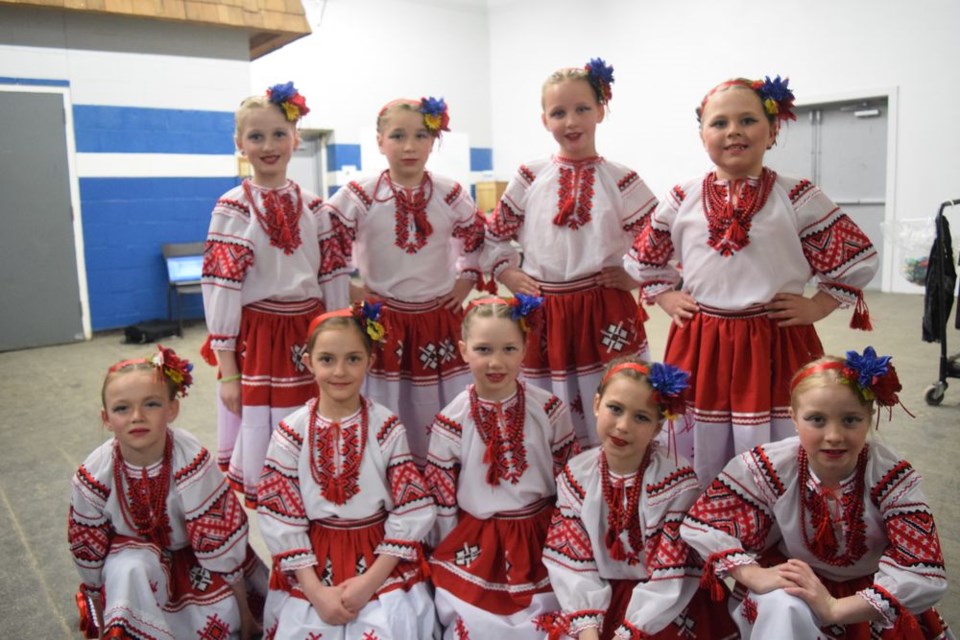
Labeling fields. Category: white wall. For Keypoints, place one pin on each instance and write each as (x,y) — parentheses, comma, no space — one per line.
(667,54)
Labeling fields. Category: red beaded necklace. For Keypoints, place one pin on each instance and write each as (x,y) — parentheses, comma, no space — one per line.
(143,505)
(730,210)
(505,454)
(334,447)
(410,210)
(281,222)
(623,517)
(824,544)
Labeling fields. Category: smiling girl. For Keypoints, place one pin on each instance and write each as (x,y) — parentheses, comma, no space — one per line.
(494,453)
(833,535)
(341,504)
(748,241)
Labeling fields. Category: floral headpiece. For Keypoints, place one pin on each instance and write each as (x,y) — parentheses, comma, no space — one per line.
(521,307)
(872,377)
(435,116)
(366,314)
(285,96)
(668,384)
(775,96)
(168,364)
(601,78)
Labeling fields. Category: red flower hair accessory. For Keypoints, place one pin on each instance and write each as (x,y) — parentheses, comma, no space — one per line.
(174,367)
(290,101)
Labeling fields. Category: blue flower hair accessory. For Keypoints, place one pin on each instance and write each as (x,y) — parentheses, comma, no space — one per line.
(521,306)
(873,377)
(669,383)
(290,101)
(776,96)
(600,76)
(435,116)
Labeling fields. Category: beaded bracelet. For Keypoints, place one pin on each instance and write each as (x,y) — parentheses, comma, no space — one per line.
(232,378)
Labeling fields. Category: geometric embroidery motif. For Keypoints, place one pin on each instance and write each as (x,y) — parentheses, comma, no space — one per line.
(361,565)
(466,556)
(297,351)
(460,629)
(216,629)
(370,635)
(326,578)
(446,351)
(749,610)
(199,578)
(615,337)
(429,357)
(684,625)
(576,405)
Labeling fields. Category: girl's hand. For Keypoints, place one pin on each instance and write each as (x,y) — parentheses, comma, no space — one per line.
(590,633)
(230,396)
(328,602)
(519,282)
(358,293)
(249,627)
(792,309)
(759,579)
(454,299)
(679,305)
(357,592)
(617,278)
(805,585)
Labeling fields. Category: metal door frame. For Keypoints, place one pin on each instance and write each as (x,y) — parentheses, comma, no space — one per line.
(889,210)
(41,86)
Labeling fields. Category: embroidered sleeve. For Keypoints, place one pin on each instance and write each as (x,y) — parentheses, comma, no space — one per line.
(650,260)
(468,232)
(442,472)
(216,523)
(280,509)
(911,575)
(584,596)
(673,568)
(505,224)
(638,202)
(413,511)
(89,530)
(565,444)
(729,522)
(227,258)
(838,251)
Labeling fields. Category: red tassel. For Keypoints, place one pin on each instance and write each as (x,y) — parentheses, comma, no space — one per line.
(906,626)
(487,286)
(278,579)
(735,234)
(824,540)
(711,582)
(555,624)
(421,223)
(88,616)
(422,560)
(861,315)
(207,353)
(566,211)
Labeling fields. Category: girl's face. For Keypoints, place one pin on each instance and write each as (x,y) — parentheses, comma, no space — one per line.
(571,113)
(339,362)
(137,409)
(627,420)
(494,349)
(736,133)
(268,140)
(406,143)
(833,425)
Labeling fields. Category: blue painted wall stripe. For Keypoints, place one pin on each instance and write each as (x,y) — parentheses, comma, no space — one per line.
(341,155)
(34,82)
(125,222)
(106,129)
(481,159)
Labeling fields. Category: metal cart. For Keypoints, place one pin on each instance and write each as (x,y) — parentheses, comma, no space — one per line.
(941,265)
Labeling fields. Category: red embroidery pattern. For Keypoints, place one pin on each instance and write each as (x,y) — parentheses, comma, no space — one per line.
(575,196)
(406,484)
(216,629)
(443,484)
(914,540)
(280,494)
(144,504)
(665,549)
(567,537)
(749,610)
(505,453)
(824,544)
(471,233)
(193,467)
(410,206)
(653,246)
(527,174)
(451,197)
(730,211)
(460,629)
(337,248)
(86,478)
(280,218)
(505,222)
(218,525)
(226,261)
(336,452)
(623,517)
(88,544)
(721,508)
(837,245)
(799,189)
(627,180)
(678,194)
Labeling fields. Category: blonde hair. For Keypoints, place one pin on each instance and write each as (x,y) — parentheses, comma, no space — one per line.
(489,310)
(823,372)
(339,322)
(400,104)
(609,374)
(252,103)
(562,75)
(735,83)
(128,366)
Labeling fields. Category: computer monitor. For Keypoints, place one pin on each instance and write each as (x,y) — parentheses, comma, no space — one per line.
(185,268)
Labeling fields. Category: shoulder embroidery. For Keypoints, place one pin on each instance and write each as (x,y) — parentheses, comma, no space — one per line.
(889,481)
(234,206)
(192,467)
(365,198)
(387,428)
(571,481)
(678,194)
(314,205)
(677,478)
(766,468)
(86,479)
(799,189)
(526,173)
(454,194)
(627,180)
(552,406)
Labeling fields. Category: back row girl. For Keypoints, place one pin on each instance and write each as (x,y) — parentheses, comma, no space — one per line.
(574,217)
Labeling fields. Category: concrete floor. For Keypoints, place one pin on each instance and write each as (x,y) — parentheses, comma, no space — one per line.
(49,422)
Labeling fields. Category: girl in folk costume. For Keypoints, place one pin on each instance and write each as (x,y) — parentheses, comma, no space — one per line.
(613,551)
(828,533)
(574,216)
(748,241)
(416,240)
(159,538)
(494,453)
(342,506)
(270,266)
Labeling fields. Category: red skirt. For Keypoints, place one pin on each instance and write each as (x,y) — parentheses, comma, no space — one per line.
(420,343)
(740,363)
(495,563)
(346,548)
(270,348)
(581,327)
